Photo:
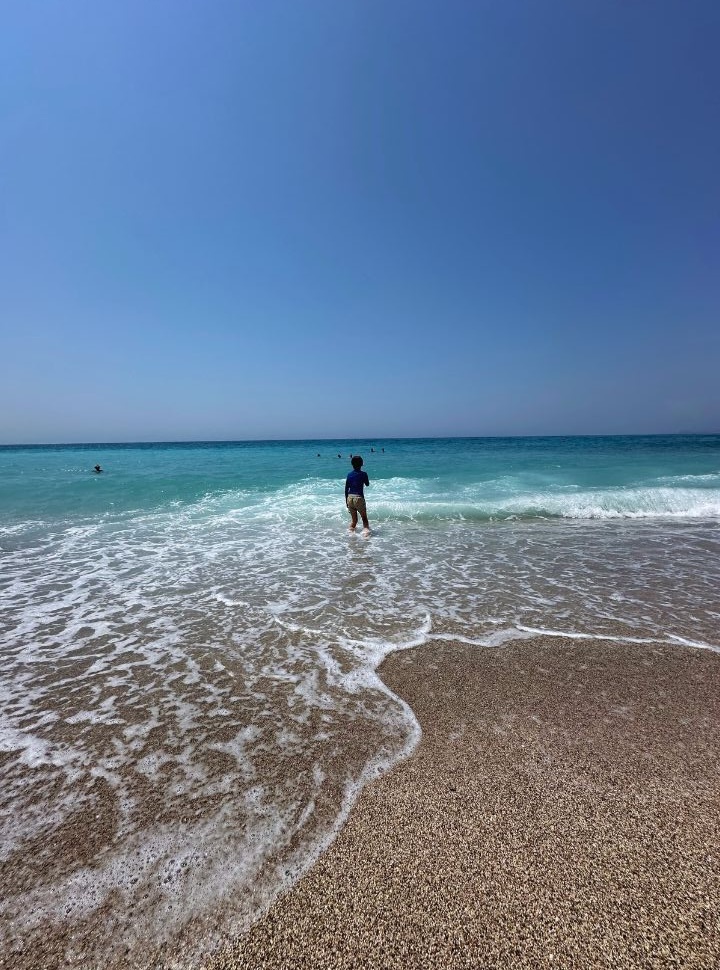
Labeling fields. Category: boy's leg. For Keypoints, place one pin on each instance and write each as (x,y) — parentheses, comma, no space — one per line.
(366,524)
(353,514)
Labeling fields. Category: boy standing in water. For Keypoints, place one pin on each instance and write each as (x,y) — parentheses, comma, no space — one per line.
(354,498)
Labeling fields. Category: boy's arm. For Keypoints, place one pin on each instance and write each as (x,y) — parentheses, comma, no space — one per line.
(367,480)
(346,488)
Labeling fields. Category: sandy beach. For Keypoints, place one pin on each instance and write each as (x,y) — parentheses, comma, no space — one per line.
(562,810)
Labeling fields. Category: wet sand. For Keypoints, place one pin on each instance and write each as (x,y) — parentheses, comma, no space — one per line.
(562,810)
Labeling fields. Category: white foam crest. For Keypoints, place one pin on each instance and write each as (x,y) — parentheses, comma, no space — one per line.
(20,528)
(630,503)
(499,498)
(575,635)
(373,650)
(713,477)
(497,638)
(698,644)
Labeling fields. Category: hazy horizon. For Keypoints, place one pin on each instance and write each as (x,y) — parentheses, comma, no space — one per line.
(369,440)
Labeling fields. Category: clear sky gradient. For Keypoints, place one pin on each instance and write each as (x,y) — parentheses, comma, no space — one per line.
(228,220)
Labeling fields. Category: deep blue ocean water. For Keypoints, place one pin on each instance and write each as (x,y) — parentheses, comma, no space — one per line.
(188,642)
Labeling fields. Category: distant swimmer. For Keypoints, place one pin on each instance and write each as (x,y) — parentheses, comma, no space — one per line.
(354,496)
(318,454)
(372,449)
(97,469)
(339,456)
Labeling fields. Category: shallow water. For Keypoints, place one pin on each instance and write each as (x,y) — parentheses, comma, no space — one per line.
(188,644)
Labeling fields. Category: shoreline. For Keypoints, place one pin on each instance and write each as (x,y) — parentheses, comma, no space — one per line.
(561,809)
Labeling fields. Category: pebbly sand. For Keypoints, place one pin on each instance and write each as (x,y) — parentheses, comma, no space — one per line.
(562,810)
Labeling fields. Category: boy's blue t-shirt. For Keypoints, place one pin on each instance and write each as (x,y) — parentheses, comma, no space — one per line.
(355,481)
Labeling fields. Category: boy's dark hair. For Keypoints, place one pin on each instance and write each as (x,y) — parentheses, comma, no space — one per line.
(356,462)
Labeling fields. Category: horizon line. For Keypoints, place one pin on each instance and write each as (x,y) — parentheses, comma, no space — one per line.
(248,441)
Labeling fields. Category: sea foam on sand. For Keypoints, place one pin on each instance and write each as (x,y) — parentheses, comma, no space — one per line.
(561,811)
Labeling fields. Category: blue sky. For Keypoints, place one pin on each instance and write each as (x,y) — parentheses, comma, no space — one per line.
(246,220)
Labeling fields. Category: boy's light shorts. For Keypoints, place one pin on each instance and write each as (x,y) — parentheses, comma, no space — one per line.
(356,502)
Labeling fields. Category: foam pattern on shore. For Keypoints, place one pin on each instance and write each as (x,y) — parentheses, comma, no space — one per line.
(189,698)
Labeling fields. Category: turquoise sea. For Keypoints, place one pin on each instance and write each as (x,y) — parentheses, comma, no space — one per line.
(188,644)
